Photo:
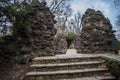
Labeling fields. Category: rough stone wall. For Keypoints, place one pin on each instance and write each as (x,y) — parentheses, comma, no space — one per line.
(97,34)
(29,39)
(42,29)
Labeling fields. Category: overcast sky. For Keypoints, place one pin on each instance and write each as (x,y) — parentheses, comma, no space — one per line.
(106,6)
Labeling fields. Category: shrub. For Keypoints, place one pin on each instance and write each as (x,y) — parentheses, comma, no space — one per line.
(69,38)
(8,49)
(114,66)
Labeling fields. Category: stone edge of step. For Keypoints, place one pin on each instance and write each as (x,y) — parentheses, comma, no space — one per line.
(92,78)
(66,64)
(66,72)
(65,57)
(105,77)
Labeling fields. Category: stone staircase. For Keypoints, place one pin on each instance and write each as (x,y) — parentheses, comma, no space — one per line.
(69,67)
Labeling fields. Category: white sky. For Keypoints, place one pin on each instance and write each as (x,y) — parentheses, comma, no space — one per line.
(106,6)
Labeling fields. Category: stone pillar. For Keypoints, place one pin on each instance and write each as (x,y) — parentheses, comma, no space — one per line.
(42,29)
(97,35)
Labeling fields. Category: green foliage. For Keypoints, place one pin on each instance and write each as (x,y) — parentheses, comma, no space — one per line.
(8,49)
(114,67)
(16,13)
(69,37)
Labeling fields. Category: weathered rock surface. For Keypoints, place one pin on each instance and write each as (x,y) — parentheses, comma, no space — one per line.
(42,29)
(97,35)
(35,36)
(69,67)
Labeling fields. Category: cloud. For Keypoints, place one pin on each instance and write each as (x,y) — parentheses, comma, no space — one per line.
(82,5)
(102,6)
(79,6)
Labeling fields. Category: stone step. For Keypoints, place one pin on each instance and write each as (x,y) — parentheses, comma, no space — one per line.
(68,66)
(62,74)
(106,78)
(93,78)
(65,59)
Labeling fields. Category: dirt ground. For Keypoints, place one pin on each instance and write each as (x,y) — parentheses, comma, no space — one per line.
(16,72)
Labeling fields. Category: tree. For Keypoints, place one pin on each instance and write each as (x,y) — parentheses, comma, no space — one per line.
(77,22)
(74,24)
(118,27)
(69,38)
(12,12)
(3,19)
(62,10)
(117,5)
(118,21)
(58,6)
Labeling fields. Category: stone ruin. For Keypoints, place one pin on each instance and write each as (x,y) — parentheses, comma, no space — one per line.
(35,39)
(97,35)
(42,29)
(42,32)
